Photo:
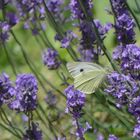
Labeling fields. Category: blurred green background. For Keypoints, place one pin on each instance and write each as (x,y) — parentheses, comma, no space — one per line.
(34,51)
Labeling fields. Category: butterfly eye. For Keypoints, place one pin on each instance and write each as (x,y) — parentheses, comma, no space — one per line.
(81,70)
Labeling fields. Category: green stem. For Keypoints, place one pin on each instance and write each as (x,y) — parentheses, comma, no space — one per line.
(10,124)
(44,123)
(50,123)
(9,59)
(9,130)
(34,69)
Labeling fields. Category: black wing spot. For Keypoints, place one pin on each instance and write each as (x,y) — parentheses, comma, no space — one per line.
(81,70)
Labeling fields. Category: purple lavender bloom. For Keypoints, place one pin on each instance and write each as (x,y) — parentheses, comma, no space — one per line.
(67,39)
(80,131)
(77,11)
(12,19)
(6,89)
(3,3)
(125,28)
(87,55)
(100,136)
(119,6)
(88,127)
(51,99)
(129,58)
(54,6)
(75,101)
(4,31)
(33,134)
(50,59)
(102,29)
(120,89)
(112,137)
(25,118)
(134,107)
(136,132)
(87,49)
(88,36)
(31,8)
(124,23)
(61,138)
(26,93)
(58,9)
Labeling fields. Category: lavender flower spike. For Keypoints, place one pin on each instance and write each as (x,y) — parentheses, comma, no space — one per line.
(33,134)
(26,93)
(112,137)
(50,59)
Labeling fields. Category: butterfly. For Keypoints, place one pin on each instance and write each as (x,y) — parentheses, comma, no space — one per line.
(87,76)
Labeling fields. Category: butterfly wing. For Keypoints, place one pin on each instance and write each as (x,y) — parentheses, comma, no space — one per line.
(87,76)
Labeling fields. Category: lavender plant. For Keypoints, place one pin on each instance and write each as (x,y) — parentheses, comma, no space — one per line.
(38,98)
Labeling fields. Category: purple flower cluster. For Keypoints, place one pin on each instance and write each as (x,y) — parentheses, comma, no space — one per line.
(12,19)
(124,23)
(67,39)
(4,3)
(27,6)
(33,134)
(134,107)
(51,99)
(112,137)
(102,29)
(87,50)
(6,89)
(76,9)
(75,101)
(80,131)
(4,31)
(31,8)
(129,59)
(122,87)
(100,136)
(55,7)
(136,132)
(25,93)
(50,59)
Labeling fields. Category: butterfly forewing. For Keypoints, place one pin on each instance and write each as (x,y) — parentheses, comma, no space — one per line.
(76,68)
(87,76)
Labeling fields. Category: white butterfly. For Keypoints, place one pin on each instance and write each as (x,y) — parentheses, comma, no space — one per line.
(87,76)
